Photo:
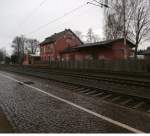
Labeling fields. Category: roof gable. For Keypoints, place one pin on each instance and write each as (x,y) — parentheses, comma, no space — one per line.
(55,36)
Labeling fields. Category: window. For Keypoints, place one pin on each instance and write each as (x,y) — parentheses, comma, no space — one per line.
(50,47)
(41,49)
(44,49)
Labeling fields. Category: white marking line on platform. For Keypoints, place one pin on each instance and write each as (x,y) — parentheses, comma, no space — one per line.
(79,107)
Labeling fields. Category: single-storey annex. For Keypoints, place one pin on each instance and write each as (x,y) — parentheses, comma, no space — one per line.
(108,50)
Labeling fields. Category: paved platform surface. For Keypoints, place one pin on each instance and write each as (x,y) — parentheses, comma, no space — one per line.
(5,126)
(45,107)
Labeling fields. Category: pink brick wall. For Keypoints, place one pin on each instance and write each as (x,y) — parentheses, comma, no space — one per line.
(67,40)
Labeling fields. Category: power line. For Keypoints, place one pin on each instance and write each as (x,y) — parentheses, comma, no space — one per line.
(33,11)
(58,18)
(28,16)
(99,4)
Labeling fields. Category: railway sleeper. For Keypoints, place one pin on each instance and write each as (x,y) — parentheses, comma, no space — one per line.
(102,94)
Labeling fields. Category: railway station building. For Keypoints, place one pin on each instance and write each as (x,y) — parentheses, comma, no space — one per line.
(51,47)
(66,46)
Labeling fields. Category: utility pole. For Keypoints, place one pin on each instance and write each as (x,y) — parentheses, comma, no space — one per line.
(124,33)
(100,4)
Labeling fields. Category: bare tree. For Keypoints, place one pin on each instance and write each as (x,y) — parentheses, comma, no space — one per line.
(114,26)
(114,21)
(91,37)
(140,24)
(32,45)
(137,21)
(19,47)
(79,34)
(96,38)
(2,54)
(22,44)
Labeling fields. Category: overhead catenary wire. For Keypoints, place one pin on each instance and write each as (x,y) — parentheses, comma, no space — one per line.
(58,18)
(33,12)
(28,16)
(99,4)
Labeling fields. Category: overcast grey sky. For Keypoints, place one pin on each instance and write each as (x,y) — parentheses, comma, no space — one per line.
(15,18)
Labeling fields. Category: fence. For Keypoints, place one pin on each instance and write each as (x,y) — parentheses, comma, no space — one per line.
(109,65)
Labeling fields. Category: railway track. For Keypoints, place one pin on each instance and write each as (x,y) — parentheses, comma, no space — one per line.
(105,78)
(121,91)
(127,101)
